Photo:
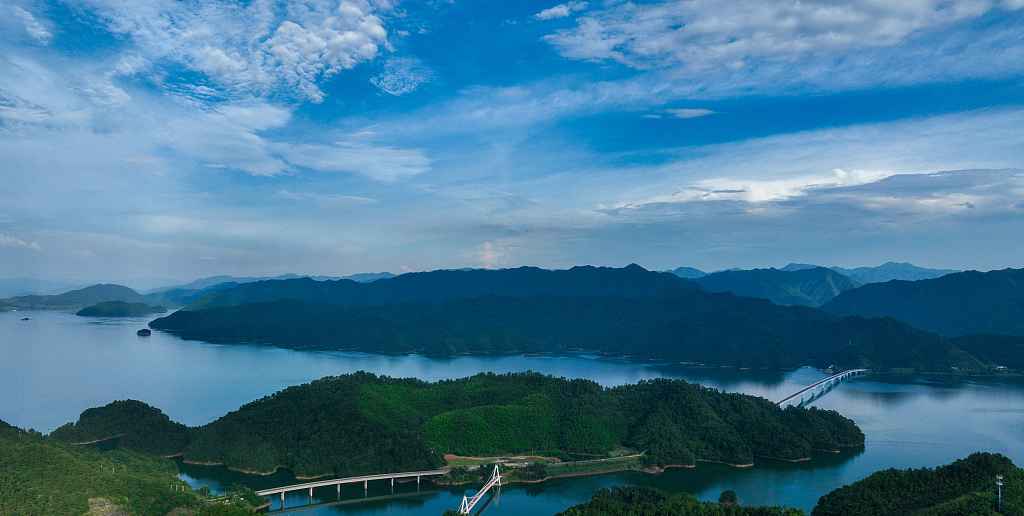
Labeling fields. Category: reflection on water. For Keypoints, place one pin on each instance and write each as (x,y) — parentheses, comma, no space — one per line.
(57,364)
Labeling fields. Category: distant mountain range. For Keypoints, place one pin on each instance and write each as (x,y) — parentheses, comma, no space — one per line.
(957,304)
(807,287)
(801,283)
(886,272)
(628,311)
(688,272)
(210,281)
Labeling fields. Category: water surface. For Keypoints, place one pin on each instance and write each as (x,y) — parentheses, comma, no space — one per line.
(57,364)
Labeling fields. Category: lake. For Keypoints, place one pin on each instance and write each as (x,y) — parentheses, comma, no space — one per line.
(57,364)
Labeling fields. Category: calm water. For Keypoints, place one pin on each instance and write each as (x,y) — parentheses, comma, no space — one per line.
(56,365)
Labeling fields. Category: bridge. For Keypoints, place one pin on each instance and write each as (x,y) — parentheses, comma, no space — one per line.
(365,480)
(468,503)
(820,387)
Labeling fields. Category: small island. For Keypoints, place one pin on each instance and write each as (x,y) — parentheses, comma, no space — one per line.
(120,309)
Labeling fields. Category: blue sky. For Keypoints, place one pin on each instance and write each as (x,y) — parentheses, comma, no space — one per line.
(146,141)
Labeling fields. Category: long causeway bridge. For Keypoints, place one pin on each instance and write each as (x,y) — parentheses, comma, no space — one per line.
(338,482)
(818,388)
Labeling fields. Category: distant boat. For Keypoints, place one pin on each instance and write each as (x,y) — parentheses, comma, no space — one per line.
(145,332)
(26,318)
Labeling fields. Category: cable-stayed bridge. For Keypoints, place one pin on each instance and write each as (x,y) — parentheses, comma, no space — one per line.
(819,388)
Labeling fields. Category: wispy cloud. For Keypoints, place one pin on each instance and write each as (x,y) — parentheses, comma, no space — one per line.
(18,243)
(378,162)
(328,199)
(816,43)
(686,113)
(561,10)
(33,26)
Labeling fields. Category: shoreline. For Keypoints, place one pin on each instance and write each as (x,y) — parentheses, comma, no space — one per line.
(649,470)
(600,355)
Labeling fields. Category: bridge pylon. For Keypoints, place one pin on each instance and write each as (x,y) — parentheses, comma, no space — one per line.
(468,503)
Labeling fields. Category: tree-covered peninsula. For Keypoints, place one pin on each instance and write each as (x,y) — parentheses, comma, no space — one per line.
(362,423)
(628,311)
(964,487)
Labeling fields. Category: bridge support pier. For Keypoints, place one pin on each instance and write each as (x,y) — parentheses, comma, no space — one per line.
(282,500)
(339,491)
(366,486)
(392,485)
(311,495)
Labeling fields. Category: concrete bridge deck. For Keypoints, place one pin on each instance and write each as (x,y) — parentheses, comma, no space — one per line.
(364,479)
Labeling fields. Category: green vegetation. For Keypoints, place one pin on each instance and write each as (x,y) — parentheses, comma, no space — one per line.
(46,477)
(813,286)
(627,311)
(966,486)
(362,423)
(640,501)
(137,426)
(1001,350)
(120,309)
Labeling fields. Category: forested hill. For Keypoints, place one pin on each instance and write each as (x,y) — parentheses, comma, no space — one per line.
(45,477)
(135,424)
(806,287)
(361,423)
(76,298)
(445,285)
(965,487)
(956,304)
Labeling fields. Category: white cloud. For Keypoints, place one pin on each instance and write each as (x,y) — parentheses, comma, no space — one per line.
(18,243)
(327,199)
(228,137)
(560,10)
(402,75)
(792,166)
(265,46)
(686,113)
(378,162)
(33,27)
(732,46)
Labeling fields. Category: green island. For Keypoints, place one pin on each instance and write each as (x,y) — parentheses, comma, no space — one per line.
(120,309)
(47,477)
(362,424)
